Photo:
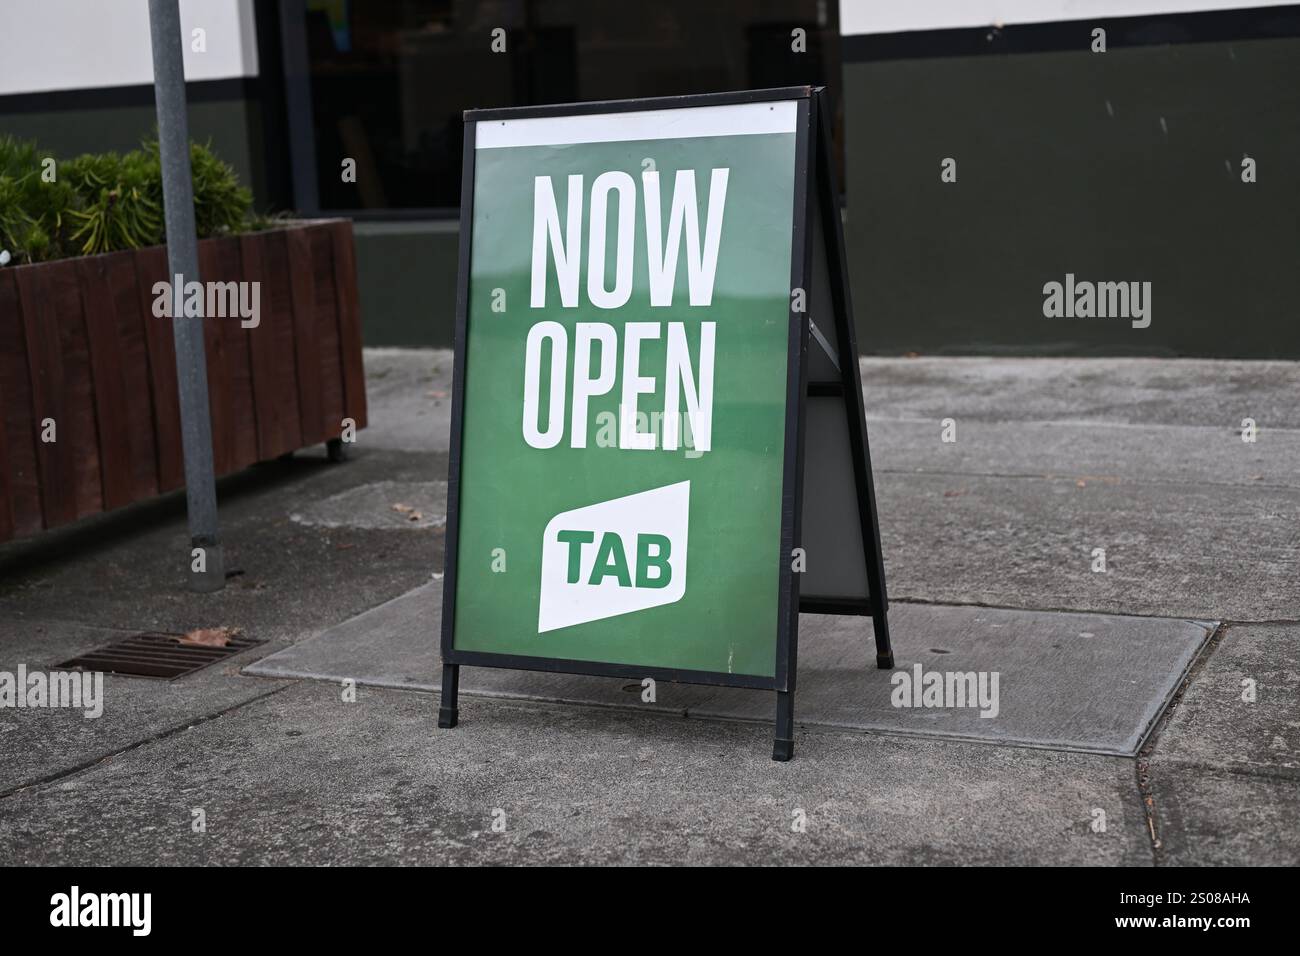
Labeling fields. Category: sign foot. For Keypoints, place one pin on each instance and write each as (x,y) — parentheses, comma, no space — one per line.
(783,746)
(448,711)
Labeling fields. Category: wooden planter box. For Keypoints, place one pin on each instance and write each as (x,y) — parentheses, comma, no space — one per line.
(79,344)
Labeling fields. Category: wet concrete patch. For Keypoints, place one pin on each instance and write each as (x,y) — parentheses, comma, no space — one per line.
(1093,683)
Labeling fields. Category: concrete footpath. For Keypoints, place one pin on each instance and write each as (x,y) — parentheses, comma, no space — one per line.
(1150,713)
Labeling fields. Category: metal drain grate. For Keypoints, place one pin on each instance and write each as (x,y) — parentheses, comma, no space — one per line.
(152,654)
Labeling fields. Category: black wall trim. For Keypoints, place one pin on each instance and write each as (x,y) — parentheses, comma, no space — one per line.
(299,115)
(273,109)
(117,97)
(1254,23)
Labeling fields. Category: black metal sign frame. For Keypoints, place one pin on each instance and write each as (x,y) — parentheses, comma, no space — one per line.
(813,183)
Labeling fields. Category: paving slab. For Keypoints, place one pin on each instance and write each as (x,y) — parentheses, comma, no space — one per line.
(412,388)
(1087,682)
(1209,817)
(1224,772)
(409,393)
(1121,390)
(1172,549)
(128,569)
(40,743)
(303,777)
(1110,453)
(1241,712)
(385,505)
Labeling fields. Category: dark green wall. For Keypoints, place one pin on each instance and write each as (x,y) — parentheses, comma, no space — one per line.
(234,126)
(406,273)
(1051,181)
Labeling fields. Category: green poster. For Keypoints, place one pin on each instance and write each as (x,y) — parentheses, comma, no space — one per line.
(626,350)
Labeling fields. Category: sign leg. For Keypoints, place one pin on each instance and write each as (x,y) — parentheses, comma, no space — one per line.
(448,712)
(875,562)
(783,747)
(876,582)
(884,653)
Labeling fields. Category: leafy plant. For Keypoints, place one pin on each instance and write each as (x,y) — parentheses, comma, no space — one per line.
(104,202)
(121,201)
(221,205)
(33,212)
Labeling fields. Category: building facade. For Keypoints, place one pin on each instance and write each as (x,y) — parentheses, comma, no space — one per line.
(1010,169)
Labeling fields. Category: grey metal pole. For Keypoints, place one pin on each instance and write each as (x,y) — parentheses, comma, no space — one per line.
(205,561)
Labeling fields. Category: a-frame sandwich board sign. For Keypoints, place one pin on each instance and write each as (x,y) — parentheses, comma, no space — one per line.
(658,451)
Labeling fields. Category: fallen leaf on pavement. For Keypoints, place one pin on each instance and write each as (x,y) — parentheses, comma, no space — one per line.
(209,636)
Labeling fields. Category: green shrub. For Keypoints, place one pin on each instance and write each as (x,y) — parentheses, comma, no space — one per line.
(33,214)
(121,204)
(104,202)
(221,205)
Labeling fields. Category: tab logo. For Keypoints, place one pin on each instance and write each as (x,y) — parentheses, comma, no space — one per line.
(614,557)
